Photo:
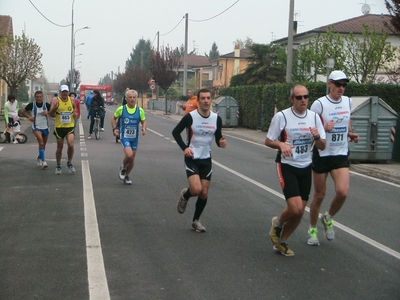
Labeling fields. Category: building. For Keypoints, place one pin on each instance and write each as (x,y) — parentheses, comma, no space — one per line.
(198,69)
(355,26)
(6,29)
(228,65)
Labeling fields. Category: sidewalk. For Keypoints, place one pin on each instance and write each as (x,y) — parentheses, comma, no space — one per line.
(388,172)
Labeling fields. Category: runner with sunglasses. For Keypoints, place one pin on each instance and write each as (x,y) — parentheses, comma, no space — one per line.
(335,111)
(293,131)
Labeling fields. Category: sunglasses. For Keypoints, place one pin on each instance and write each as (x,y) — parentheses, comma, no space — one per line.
(339,84)
(299,97)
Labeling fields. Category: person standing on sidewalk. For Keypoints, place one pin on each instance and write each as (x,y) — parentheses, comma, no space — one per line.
(191,103)
(40,124)
(10,111)
(202,125)
(335,111)
(63,109)
(293,131)
(131,115)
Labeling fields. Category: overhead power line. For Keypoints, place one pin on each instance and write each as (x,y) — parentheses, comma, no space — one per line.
(48,18)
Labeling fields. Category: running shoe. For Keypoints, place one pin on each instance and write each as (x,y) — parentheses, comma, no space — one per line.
(328,227)
(275,232)
(283,248)
(38,162)
(102,129)
(58,170)
(71,168)
(89,136)
(182,202)
(127,180)
(122,173)
(312,239)
(44,165)
(197,226)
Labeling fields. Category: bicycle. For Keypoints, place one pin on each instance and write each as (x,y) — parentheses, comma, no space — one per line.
(96,127)
(20,137)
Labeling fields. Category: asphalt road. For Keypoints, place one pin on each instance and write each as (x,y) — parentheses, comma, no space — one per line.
(89,236)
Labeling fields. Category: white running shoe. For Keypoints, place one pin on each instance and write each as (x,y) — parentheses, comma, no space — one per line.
(44,165)
(197,226)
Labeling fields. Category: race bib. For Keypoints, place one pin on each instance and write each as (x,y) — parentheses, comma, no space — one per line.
(301,149)
(130,132)
(66,117)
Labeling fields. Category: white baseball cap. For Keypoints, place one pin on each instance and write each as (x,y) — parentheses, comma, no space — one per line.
(64,88)
(338,75)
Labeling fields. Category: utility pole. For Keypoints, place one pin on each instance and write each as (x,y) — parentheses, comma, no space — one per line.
(185,55)
(290,43)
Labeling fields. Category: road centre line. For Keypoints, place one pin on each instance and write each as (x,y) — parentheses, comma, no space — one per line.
(97,280)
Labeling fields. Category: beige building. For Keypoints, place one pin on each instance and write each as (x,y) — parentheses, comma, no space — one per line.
(228,65)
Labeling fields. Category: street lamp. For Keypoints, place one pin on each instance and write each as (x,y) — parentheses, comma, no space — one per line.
(73,56)
(330,63)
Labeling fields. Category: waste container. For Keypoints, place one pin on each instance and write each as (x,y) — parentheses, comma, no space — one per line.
(228,110)
(396,144)
(373,119)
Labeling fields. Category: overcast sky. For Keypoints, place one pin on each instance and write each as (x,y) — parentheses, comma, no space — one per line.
(117,25)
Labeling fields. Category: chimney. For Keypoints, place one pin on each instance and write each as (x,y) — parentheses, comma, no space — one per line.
(237,50)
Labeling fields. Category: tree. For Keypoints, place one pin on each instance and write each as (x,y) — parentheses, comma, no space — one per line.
(213,52)
(164,68)
(311,57)
(244,44)
(393,7)
(267,65)
(140,56)
(138,79)
(358,56)
(19,60)
(77,78)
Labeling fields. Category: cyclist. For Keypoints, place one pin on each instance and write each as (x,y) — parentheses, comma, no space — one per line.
(97,106)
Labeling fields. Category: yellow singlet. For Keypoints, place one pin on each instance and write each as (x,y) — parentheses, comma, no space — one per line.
(65,114)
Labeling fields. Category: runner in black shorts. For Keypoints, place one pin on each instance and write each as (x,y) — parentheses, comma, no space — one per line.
(334,110)
(294,132)
(202,125)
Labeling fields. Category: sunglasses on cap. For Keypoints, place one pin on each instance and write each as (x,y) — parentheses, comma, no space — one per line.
(299,97)
(339,84)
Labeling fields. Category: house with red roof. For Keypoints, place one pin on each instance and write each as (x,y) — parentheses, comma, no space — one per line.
(355,25)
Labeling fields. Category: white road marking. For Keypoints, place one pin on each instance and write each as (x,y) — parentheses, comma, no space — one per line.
(98,285)
(337,224)
(1,148)
(280,195)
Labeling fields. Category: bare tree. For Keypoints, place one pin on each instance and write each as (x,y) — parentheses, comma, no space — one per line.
(138,79)
(19,60)
(77,78)
(164,68)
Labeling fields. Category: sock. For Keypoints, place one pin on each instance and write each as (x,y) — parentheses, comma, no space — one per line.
(187,195)
(200,204)
(41,154)
(328,217)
